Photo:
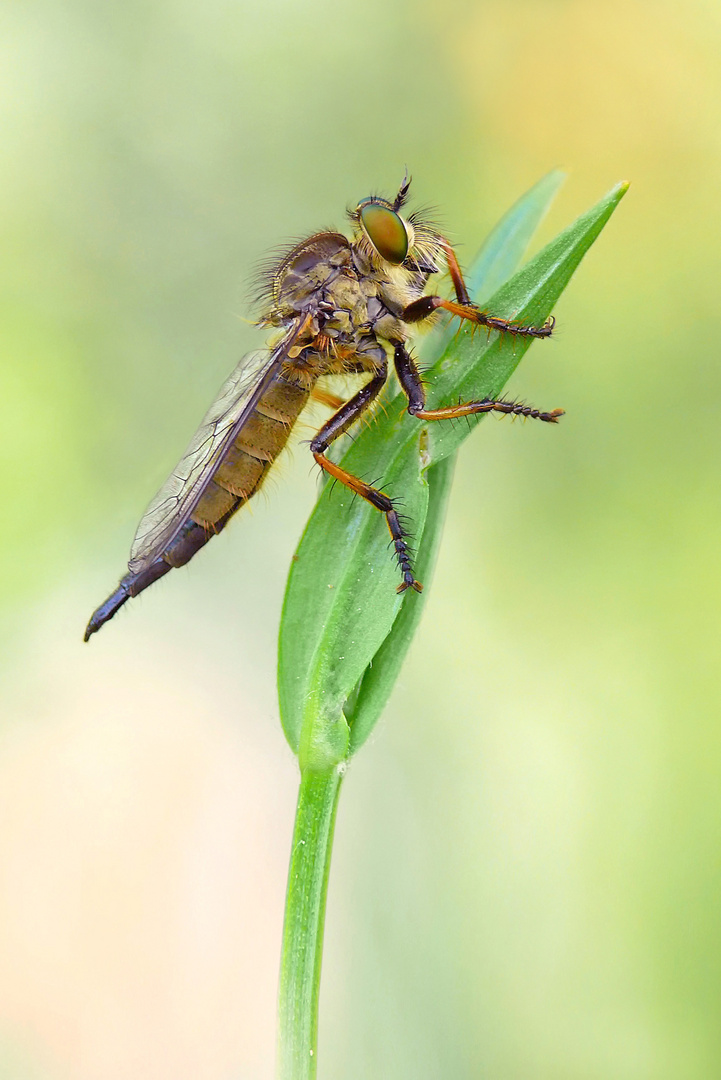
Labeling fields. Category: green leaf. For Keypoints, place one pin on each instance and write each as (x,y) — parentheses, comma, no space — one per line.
(506,245)
(369,697)
(338,658)
(496,261)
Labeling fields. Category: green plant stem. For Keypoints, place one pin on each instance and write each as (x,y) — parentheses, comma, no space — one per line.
(303,926)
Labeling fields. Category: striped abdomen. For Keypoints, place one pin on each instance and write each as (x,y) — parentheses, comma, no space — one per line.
(245,464)
(237,478)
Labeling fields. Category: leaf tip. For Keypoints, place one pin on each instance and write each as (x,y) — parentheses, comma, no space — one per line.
(552,181)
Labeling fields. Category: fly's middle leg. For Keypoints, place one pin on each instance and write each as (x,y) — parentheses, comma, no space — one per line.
(412,385)
(337,425)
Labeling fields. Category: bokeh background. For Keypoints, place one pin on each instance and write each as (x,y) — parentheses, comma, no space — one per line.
(527,874)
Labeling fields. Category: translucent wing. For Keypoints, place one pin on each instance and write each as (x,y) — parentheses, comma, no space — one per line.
(180,494)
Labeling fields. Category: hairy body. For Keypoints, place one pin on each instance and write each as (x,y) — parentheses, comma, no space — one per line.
(336,306)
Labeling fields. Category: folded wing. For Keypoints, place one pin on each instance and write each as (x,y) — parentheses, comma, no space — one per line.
(173,505)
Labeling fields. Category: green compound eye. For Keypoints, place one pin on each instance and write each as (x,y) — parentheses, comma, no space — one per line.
(386,232)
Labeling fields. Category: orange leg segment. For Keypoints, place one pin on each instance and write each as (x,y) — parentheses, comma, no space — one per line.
(468,408)
(412,385)
(339,423)
(464,308)
(459,285)
(420,309)
(382,502)
(326,398)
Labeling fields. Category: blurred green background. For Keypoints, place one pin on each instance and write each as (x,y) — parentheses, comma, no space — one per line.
(527,875)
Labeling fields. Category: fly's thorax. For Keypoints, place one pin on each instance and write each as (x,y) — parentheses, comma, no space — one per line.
(306,271)
(353,299)
(345,310)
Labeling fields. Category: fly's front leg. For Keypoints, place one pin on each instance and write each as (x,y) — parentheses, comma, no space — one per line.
(330,431)
(412,386)
(464,308)
(459,285)
(420,309)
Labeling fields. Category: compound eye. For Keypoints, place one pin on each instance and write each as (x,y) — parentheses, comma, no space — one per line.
(386,232)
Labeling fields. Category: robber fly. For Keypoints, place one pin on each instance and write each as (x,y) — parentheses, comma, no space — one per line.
(336,306)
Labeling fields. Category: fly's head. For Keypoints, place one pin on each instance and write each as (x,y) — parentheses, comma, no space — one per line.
(391,241)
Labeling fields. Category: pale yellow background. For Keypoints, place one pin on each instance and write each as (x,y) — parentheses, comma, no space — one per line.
(527,877)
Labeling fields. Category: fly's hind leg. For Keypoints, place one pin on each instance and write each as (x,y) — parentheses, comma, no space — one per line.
(412,385)
(330,431)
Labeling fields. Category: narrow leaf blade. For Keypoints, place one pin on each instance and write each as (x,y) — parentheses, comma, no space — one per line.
(340,604)
(498,258)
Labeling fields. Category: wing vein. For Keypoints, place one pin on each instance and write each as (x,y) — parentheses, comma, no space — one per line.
(173,505)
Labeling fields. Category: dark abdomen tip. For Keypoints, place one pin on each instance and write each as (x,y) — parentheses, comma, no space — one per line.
(107,609)
(131,585)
